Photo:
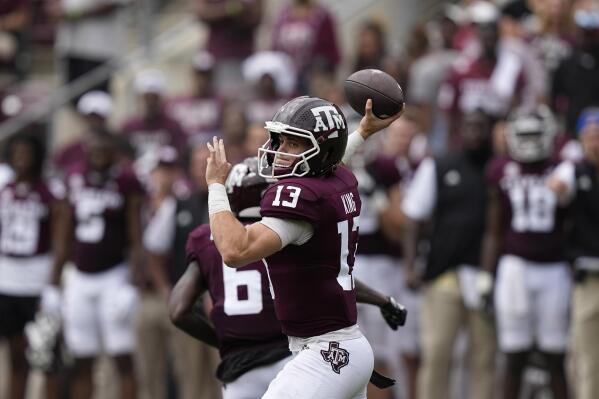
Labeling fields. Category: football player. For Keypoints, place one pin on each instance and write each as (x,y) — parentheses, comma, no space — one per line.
(29,209)
(104,219)
(253,349)
(578,184)
(307,238)
(525,229)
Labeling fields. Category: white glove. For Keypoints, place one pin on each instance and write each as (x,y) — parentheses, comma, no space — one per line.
(484,282)
(51,302)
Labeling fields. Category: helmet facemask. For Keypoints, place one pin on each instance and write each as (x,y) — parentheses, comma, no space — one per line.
(269,153)
(530,138)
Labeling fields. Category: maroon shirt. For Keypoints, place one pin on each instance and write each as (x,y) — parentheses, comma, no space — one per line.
(230,38)
(98,205)
(152,134)
(72,154)
(199,117)
(373,181)
(25,214)
(533,223)
(306,40)
(243,311)
(312,283)
(9,6)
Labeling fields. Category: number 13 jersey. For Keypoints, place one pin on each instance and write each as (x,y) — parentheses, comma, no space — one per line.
(312,283)
(533,220)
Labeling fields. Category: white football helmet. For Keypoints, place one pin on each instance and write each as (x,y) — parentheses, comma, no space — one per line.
(531,134)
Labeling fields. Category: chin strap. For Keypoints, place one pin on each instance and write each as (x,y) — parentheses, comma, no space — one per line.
(380,381)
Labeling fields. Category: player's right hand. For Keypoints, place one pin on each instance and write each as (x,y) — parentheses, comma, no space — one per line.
(394,313)
(370,124)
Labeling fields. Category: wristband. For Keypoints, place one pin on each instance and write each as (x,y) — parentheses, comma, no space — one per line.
(217,199)
(354,141)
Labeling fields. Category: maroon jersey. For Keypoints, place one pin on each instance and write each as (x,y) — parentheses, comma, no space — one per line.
(312,283)
(534,222)
(199,117)
(25,210)
(98,205)
(374,181)
(230,38)
(306,38)
(70,155)
(151,134)
(243,313)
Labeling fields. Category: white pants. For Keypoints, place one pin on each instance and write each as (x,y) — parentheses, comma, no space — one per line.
(382,273)
(253,384)
(309,375)
(24,276)
(532,302)
(99,312)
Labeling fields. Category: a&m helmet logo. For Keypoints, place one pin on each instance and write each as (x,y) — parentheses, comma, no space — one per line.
(338,357)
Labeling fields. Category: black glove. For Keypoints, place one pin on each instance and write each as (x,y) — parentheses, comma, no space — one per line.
(394,313)
(380,381)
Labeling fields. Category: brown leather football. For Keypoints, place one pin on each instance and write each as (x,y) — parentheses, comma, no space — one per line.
(386,94)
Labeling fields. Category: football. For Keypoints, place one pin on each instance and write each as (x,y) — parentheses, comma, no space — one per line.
(386,94)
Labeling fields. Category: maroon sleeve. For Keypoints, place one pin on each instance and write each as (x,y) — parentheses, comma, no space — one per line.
(197,240)
(289,199)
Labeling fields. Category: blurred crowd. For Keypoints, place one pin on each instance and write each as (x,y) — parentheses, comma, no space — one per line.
(471,76)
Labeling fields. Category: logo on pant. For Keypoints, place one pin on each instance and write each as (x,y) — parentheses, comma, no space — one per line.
(338,357)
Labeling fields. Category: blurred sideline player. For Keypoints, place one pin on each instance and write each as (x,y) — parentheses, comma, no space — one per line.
(525,229)
(28,213)
(578,185)
(407,145)
(377,257)
(307,238)
(165,239)
(449,192)
(253,348)
(99,299)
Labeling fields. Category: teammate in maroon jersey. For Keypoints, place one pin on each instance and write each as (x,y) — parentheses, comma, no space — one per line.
(252,347)
(307,238)
(525,226)
(104,197)
(28,211)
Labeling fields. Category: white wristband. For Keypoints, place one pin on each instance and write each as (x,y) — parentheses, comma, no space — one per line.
(217,199)
(354,141)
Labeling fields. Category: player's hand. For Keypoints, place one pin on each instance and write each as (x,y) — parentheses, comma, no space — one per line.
(559,187)
(217,168)
(394,313)
(370,124)
(484,287)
